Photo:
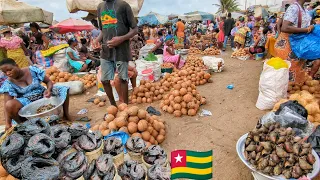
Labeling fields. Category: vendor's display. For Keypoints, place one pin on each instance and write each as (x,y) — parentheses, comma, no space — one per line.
(212,51)
(167,68)
(275,151)
(194,50)
(89,80)
(147,92)
(134,121)
(183,100)
(132,170)
(240,54)
(155,155)
(167,65)
(308,101)
(312,86)
(194,61)
(102,168)
(45,108)
(159,172)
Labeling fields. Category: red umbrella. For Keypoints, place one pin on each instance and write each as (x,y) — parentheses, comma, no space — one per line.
(72,25)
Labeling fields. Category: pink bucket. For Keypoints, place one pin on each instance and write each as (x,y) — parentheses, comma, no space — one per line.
(148,75)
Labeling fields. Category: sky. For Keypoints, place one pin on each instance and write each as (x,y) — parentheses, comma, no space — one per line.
(165,7)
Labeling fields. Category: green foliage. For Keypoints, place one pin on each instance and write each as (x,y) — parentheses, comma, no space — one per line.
(227,6)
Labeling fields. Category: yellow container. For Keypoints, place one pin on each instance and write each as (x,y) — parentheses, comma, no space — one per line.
(93,155)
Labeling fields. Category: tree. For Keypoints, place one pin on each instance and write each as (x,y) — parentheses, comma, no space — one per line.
(227,6)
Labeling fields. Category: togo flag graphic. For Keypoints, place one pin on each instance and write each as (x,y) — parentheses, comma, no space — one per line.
(191,164)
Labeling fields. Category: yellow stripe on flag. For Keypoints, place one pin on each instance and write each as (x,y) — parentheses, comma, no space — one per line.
(191,170)
(199,159)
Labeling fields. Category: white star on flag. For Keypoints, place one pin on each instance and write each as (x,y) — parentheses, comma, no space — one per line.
(179,158)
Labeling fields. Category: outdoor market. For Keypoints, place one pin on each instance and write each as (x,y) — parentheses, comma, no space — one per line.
(232,94)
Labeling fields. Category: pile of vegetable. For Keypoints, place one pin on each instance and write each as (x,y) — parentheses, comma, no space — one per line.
(101,102)
(183,100)
(194,61)
(134,121)
(312,86)
(167,65)
(194,50)
(155,155)
(89,80)
(147,92)
(308,101)
(274,151)
(212,51)
(239,53)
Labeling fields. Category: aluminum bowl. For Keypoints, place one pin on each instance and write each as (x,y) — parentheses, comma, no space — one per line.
(30,110)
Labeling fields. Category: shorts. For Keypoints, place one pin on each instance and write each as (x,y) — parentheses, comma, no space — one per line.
(109,69)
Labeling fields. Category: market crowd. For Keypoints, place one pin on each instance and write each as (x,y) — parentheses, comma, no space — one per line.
(111,47)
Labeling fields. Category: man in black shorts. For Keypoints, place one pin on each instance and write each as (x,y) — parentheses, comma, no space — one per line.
(117,24)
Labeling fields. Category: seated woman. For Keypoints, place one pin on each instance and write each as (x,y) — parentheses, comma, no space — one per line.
(199,41)
(158,49)
(132,73)
(169,55)
(259,46)
(23,86)
(84,52)
(78,64)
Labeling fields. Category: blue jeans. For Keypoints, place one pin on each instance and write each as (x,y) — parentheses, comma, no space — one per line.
(226,40)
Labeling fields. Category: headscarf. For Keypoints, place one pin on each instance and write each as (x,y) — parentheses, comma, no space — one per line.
(168,38)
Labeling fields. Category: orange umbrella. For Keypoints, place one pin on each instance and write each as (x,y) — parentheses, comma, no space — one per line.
(72,25)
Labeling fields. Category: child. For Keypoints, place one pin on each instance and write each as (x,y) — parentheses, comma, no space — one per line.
(169,55)
(259,46)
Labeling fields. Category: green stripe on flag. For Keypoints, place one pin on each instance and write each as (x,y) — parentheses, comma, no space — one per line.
(191,176)
(199,166)
(199,154)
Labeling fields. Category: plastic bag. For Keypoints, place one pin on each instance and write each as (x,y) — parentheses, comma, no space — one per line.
(41,145)
(12,146)
(75,87)
(213,63)
(144,51)
(294,106)
(306,46)
(273,86)
(152,111)
(314,139)
(39,169)
(61,61)
(150,57)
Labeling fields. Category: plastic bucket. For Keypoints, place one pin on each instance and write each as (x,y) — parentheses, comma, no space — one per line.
(147,75)
(118,159)
(259,56)
(135,156)
(93,155)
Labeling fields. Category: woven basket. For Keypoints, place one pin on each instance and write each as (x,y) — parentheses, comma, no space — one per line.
(118,159)
(6,134)
(135,156)
(93,155)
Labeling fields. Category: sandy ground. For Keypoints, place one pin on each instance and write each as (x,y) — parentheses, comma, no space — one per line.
(234,114)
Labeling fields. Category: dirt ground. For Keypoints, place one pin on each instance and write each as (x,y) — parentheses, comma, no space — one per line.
(234,114)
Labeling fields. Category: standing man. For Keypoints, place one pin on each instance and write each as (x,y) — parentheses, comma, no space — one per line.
(117,24)
(228,26)
(180,31)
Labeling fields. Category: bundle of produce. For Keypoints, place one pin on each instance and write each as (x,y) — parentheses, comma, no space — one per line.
(147,92)
(167,65)
(101,102)
(155,155)
(183,100)
(239,53)
(134,121)
(212,51)
(159,172)
(312,86)
(132,170)
(102,168)
(194,50)
(89,80)
(74,165)
(274,151)
(308,101)
(194,61)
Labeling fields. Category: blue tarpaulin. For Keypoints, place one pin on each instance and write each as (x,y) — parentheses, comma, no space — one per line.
(152,19)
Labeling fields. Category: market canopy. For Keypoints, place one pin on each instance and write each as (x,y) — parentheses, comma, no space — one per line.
(152,19)
(260,12)
(91,5)
(204,15)
(72,25)
(14,12)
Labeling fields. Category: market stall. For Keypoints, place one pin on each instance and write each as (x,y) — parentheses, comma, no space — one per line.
(72,25)
(152,18)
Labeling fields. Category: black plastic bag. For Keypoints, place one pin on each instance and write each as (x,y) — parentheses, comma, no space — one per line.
(41,145)
(131,170)
(295,106)
(290,118)
(61,136)
(32,127)
(12,146)
(13,166)
(314,140)
(158,172)
(76,130)
(40,169)
(151,110)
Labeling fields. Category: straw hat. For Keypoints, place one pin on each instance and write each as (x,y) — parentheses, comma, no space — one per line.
(4,29)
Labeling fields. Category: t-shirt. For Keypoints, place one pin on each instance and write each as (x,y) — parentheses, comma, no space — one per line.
(228,25)
(115,19)
(292,15)
(180,29)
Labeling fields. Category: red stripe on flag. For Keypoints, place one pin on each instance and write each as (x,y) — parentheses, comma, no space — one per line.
(179,158)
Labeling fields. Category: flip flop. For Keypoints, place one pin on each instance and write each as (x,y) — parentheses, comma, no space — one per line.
(83,119)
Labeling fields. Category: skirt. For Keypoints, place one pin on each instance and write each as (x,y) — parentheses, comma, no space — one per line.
(77,65)
(18,56)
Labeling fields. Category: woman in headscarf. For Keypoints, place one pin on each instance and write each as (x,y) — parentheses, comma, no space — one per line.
(40,41)
(14,47)
(295,21)
(169,55)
